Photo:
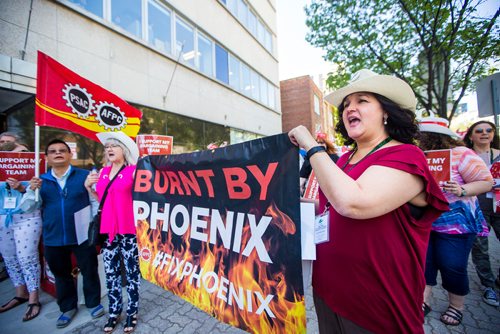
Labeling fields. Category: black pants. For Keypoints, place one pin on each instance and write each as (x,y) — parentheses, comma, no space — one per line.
(59,261)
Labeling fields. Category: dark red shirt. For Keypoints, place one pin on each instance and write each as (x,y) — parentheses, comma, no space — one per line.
(372,270)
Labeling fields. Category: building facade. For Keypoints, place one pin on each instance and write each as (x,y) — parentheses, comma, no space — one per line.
(200,70)
(302,103)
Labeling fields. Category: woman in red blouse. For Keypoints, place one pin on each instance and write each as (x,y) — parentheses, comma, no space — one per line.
(381,201)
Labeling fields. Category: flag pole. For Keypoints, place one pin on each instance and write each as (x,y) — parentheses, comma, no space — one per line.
(37,157)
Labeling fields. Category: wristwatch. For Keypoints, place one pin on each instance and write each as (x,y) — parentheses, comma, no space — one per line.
(463,193)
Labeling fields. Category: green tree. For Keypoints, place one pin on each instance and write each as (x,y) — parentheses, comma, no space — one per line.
(440,47)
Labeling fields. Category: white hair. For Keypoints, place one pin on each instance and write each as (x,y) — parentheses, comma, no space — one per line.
(127,156)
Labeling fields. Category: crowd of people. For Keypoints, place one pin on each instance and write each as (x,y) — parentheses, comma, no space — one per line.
(392,227)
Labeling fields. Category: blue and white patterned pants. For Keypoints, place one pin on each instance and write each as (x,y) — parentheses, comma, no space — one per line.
(19,248)
(123,246)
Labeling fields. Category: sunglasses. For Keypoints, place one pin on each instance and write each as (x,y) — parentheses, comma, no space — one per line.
(489,130)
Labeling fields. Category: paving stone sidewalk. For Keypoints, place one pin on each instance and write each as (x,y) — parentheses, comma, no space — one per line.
(162,312)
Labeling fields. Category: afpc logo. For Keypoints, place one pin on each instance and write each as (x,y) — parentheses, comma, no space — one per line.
(79,100)
(146,254)
(110,116)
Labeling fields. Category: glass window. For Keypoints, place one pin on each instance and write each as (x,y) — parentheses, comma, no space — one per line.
(252,23)
(255,84)
(242,12)
(184,41)
(246,81)
(232,5)
(234,73)
(221,64)
(127,14)
(159,28)
(260,32)
(316,104)
(95,6)
(271,96)
(189,134)
(238,136)
(268,40)
(263,90)
(205,60)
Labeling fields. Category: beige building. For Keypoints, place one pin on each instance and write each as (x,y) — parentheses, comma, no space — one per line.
(200,70)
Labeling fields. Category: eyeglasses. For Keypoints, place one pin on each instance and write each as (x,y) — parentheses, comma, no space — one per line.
(57,151)
(111,146)
(488,130)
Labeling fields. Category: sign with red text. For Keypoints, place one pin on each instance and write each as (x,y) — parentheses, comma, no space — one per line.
(312,189)
(439,162)
(154,144)
(19,165)
(221,229)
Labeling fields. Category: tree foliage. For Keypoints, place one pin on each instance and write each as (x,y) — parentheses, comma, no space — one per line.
(440,47)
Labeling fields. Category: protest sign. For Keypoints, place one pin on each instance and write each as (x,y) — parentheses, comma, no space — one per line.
(220,228)
(439,162)
(312,189)
(154,144)
(19,165)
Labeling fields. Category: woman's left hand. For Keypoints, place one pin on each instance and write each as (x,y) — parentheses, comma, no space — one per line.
(301,137)
(451,187)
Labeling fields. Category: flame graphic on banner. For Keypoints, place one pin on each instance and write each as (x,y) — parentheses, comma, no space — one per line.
(245,273)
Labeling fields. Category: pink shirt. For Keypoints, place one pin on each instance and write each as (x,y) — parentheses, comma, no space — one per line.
(117,213)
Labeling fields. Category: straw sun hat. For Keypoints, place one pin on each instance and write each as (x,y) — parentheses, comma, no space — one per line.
(389,86)
(122,138)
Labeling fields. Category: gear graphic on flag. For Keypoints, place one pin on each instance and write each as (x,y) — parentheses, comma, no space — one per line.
(110,116)
(79,100)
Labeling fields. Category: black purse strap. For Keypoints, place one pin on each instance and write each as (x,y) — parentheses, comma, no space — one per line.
(107,188)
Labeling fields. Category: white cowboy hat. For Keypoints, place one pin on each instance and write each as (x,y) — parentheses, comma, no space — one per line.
(436,125)
(389,86)
(122,138)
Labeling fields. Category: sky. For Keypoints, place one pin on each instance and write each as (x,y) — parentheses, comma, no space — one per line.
(296,56)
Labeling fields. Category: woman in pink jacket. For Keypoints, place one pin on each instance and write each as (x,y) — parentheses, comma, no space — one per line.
(117,222)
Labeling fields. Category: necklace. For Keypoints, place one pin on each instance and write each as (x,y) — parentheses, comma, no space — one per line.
(382,143)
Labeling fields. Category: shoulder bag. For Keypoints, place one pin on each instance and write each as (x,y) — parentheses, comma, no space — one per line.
(94,233)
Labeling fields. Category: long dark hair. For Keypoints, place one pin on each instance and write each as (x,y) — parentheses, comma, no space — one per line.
(468,142)
(401,123)
(437,141)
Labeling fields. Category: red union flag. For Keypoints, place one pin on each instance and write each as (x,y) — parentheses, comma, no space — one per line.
(68,101)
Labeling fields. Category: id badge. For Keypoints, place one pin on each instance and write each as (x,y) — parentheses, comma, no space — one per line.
(322,228)
(9,202)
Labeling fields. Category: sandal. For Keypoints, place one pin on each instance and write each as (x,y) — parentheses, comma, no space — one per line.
(130,323)
(16,301)
(29,312)
(454,314)
(426,308)
(111,324)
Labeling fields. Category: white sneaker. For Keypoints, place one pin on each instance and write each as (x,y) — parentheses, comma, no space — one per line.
(490,297)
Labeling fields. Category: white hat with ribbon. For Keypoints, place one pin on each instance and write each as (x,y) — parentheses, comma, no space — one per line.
(436,125)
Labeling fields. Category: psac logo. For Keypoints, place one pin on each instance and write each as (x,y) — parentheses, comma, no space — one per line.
(146,254)
(81,103)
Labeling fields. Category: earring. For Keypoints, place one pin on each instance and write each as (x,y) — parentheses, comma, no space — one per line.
(385,121)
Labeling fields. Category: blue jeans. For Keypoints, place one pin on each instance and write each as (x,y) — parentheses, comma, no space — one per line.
(449,254)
